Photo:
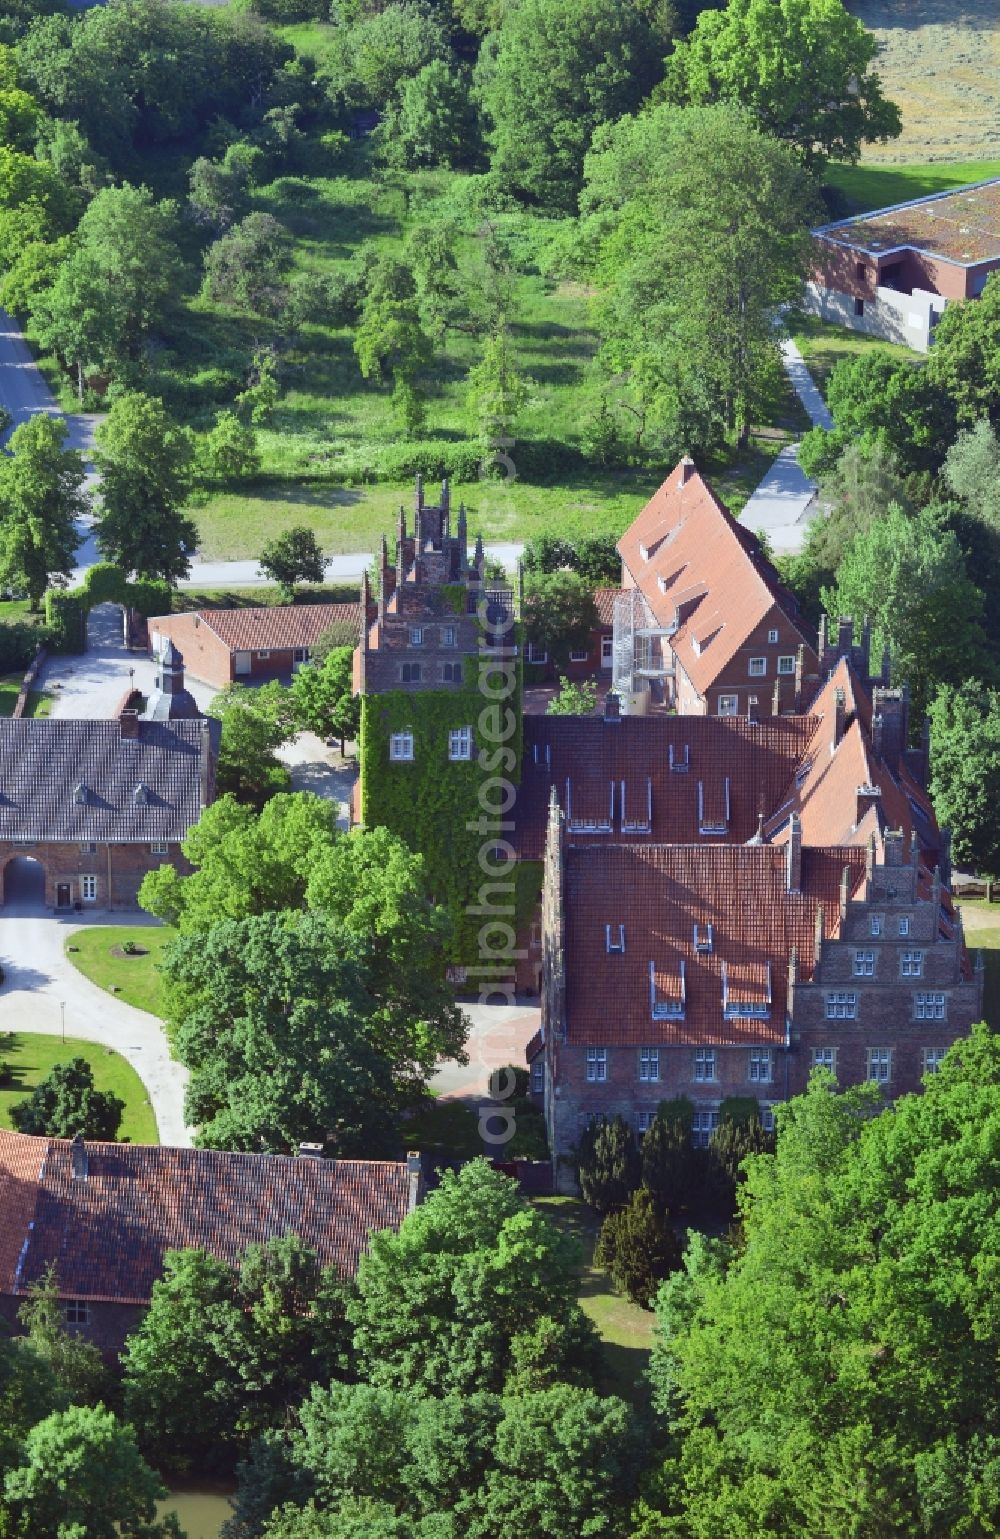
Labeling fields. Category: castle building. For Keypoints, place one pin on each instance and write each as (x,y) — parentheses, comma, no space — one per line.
(704,624)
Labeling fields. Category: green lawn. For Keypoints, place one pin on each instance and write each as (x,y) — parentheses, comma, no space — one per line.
(626,1331)
(867,186)
(982,930)
(39,703)
(136,977)
(31,1057)
(823,345)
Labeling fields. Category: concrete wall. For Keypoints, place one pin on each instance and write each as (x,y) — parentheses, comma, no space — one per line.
(908,319)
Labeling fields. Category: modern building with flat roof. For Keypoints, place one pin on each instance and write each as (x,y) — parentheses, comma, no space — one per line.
(892,272)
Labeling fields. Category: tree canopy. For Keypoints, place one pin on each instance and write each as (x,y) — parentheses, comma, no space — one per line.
(66,1102)
(144,461)
(40,499)
(965,770)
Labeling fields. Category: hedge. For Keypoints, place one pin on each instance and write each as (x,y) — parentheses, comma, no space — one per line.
(66,609)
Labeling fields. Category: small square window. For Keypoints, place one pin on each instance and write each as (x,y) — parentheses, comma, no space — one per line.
(929,1006)
(880,1064)
(758,667)
(786,665)
(911,964)
(460,743)
(300,655)
(76,1312)
(932,1057)
(88,889)
(416,635)
(825,1058)
(760,1066)
(578,657)
(864,964)
(614,937)
(263,656)
(449,635)
(772,637)
(158,848)
(597,1065)
(729,705)
(401,746)
(649,1064)
(410,673)
(704,1065)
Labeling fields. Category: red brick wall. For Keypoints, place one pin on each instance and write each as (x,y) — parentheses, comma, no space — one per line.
(735,678)
(206,656)
(109,1324)
(119,869)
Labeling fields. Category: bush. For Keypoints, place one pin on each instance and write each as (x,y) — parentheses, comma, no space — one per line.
(19,643)
(608,1164)
(66,1103)
(638,1249)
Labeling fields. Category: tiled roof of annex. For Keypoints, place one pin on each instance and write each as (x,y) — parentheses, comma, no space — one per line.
(279,627)
(665,987)
(107,1234)
(604,602)
(686,552)
(686,770)
(825,788)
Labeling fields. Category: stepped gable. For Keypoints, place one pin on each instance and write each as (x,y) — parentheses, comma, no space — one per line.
(688,771)
(693,563)
(845,791)
(107,1231)
(658,896)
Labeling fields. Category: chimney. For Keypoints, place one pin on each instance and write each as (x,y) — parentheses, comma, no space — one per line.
(310,1151)
(79,1162)
(793,855)
(415,1175)
(823,642)
(845,636)
(892,844)
(867,796)
(870,861)
(845,891)
(890,724)
(128,723)
(865,649)
(839,717)
(819,935)
(800,669)
(612,707)
(687,469)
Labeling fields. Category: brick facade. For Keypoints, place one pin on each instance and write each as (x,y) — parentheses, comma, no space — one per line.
(115,871)
(251,645)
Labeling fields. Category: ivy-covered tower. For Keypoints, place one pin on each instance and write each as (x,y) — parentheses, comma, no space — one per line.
(438,671)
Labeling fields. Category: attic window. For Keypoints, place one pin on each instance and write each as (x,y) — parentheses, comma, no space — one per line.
(638,824)
(680,766)
(80,793)
(669,1008)
(614,942)
(540,757)
(735,1008)
(703,938)
(644,552)
(141,794)
(662,583)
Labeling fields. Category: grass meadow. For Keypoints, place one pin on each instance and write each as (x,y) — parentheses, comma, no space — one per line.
(30,1058)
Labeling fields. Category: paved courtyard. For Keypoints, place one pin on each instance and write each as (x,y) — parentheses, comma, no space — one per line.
(499,1035)
(91,685)
(40,978)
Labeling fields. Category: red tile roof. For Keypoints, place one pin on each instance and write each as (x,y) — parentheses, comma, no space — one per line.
(279,627)
(685,549)
(604,600)
(107,1234)
(751,763)
(825,790)
(658,894)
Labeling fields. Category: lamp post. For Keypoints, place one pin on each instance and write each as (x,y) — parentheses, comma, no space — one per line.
(62,1007)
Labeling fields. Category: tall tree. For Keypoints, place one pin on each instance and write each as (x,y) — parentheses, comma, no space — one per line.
(972,471)
(803,67)
(698,225)
(246,267)
(117,285)
(293,557)
(909,577)
(561,68)
(965,358)
(40,499)
(447,1303)
(965,771)
(560,615)
(608,1164)
(833,1374)
(432,122)
(255,724)
(144,463)
(391,338)
(76,1365)
(325,702)
(81,1474)
(497,391)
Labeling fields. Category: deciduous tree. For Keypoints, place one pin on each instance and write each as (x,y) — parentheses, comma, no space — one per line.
(637,1248)
(573,699)
(559,614)
(40,499)
(291,558)
(324,698)
(965,770)
(246,267)
(144,462)
(66,1102)
(965,358)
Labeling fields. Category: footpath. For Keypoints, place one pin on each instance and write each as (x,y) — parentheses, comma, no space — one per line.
(784,504)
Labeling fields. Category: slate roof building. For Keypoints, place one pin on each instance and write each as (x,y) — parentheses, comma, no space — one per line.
(892,272)
(704,624)
(252,644)
(105,1214)
(97,804)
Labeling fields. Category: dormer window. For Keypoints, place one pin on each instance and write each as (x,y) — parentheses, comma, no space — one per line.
(680,763)
(614,937)
(703,938)
(644,552)
(140,794)
(80,793)
(667,994)
(740,1006)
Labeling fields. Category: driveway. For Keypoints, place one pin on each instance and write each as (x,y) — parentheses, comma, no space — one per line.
(90,686)
(39,979)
